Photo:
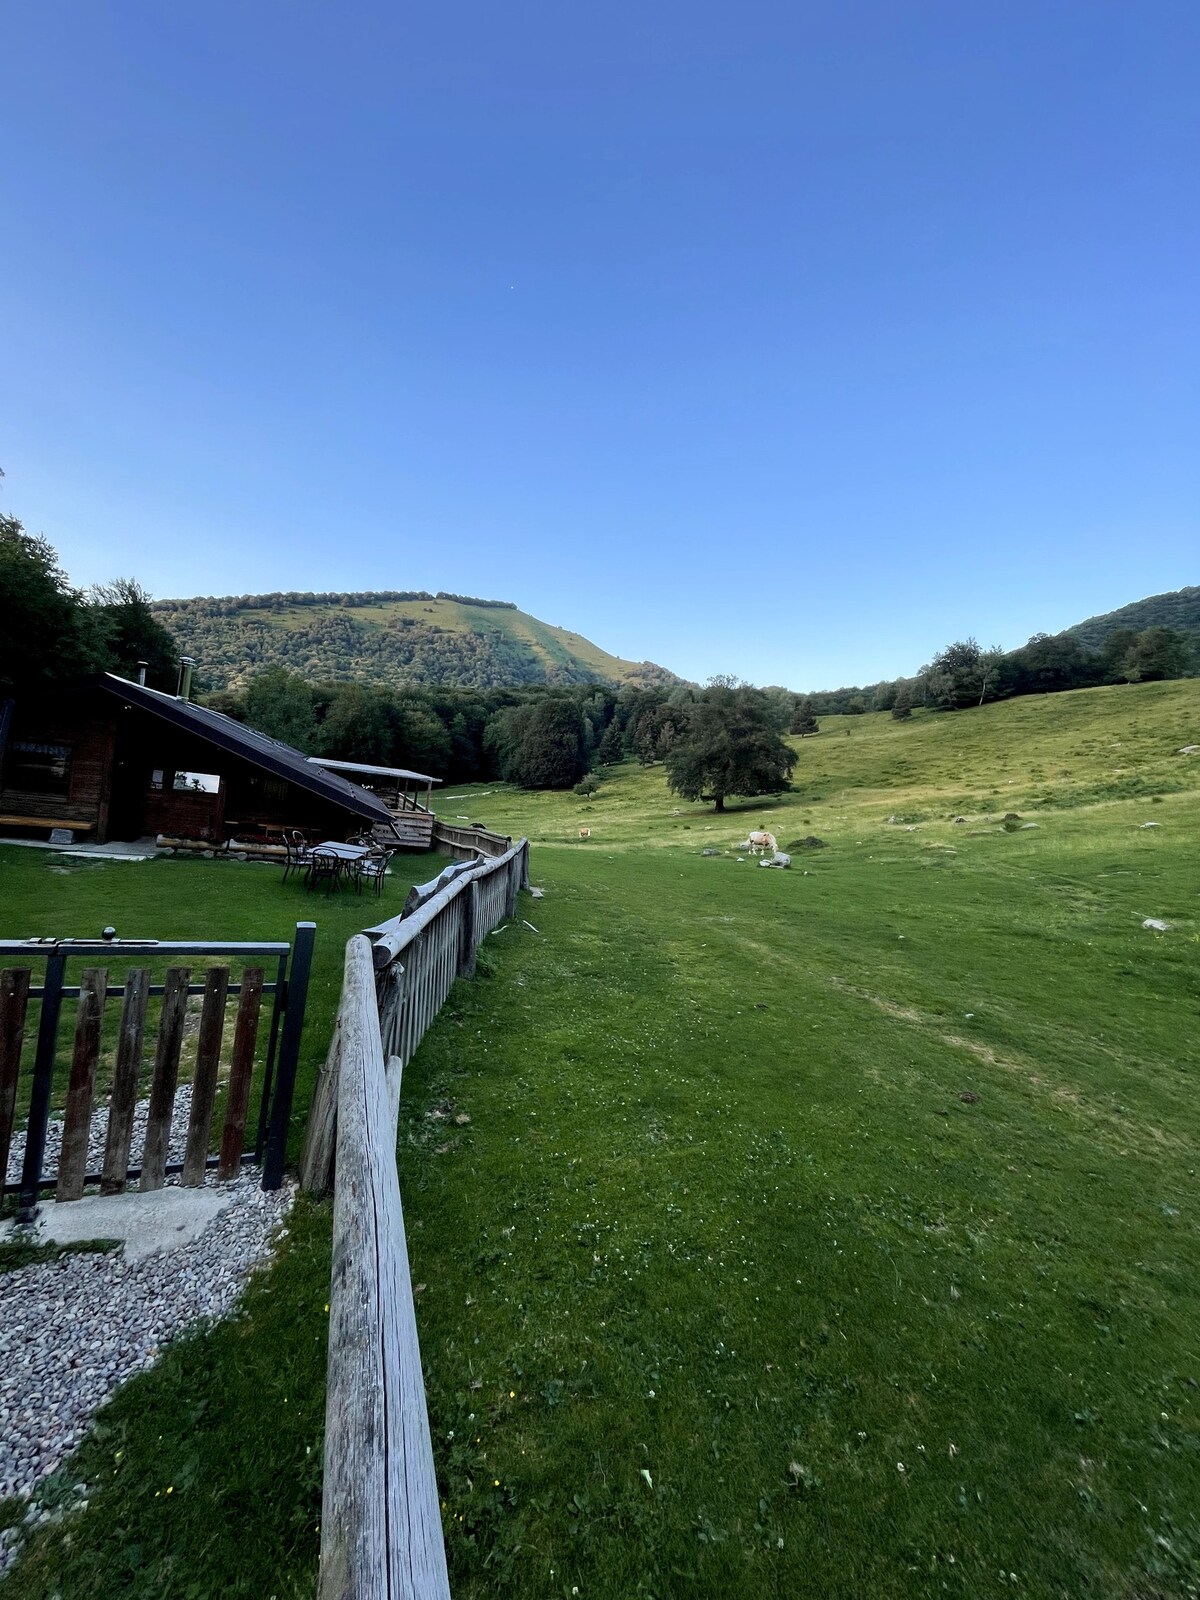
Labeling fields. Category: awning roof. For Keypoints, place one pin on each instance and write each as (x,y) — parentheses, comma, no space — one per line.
(375,772)
(235,737)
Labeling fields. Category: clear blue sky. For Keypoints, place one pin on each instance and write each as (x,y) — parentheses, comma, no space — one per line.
(787,339)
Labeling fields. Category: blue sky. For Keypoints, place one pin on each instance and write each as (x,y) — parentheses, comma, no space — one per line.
(787,339)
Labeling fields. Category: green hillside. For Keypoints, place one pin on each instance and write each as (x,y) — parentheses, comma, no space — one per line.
(390,637)
(1180,609)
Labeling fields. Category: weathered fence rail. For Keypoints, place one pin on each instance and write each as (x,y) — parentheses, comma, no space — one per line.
(469,841)
(381,1532)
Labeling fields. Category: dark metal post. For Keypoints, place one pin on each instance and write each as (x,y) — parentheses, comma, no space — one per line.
(289,1054)
(43,1083)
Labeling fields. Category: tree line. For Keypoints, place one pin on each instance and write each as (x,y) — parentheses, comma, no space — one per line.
(727,738)
(968,674)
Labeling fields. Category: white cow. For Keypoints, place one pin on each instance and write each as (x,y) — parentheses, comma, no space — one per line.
(759,842)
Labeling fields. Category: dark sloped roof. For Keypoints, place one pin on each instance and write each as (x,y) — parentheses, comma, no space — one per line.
(235,737)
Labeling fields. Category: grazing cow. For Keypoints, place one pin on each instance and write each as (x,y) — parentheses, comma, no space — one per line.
(585,833)
(759,842)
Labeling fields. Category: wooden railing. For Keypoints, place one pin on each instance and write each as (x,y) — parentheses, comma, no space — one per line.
(381,1532)
(467,842)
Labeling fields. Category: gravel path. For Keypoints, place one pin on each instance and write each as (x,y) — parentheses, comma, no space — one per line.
(75,1328)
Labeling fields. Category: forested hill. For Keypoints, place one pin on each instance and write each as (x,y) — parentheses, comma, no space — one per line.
(389,637)
(1179,610)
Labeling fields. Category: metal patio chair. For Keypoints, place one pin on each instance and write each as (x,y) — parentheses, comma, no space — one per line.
(298,853)
(372,869)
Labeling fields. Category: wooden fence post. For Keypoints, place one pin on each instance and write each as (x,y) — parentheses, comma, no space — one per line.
(469,939)
(77,1119)
(320,1136)
(166,1077)
(115,1172)
(204,1084)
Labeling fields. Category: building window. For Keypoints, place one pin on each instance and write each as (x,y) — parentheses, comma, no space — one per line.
(38,768)
(196,783)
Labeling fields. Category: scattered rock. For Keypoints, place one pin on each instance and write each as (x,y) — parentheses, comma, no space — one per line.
(940,1111)
(1190,749)
(1026,825)
(960,822)
(969,1097)
(1011,816)
(710,852)
(1149,824)
(536,894)
(1157,924)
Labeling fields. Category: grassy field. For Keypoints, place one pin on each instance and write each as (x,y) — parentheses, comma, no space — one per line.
(43,894)
(830,1232)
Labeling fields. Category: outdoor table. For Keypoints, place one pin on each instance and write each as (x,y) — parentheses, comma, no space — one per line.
(340,855)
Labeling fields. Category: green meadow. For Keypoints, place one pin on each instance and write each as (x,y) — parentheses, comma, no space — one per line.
(820,1232)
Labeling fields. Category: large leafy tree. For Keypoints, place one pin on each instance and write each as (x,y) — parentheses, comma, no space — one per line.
(961,675)
(1158,653)
(731,746)
(46,630)
(542,745)
(129,633)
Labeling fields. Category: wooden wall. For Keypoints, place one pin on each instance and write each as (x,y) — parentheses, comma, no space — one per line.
(71,721)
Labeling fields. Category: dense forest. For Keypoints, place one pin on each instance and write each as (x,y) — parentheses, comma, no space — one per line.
(1179,610)
(394,637)
(538,737)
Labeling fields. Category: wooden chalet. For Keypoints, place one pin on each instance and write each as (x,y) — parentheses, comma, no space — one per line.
(108,759)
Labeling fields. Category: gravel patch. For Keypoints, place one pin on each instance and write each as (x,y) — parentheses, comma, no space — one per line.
(98,1133)
(76,1328)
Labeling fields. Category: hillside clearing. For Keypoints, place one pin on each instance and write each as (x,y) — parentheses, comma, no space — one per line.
(829,1232)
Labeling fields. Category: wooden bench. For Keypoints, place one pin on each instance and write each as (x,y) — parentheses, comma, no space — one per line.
(46,822)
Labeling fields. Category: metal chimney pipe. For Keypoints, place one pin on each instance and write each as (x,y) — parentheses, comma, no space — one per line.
(141,677)
(186,664)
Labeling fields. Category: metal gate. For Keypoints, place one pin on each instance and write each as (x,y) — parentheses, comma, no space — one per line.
(37,975)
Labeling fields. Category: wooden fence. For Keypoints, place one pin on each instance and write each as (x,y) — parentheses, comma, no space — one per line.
(120,1075)
(466,843)
(381,1531)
